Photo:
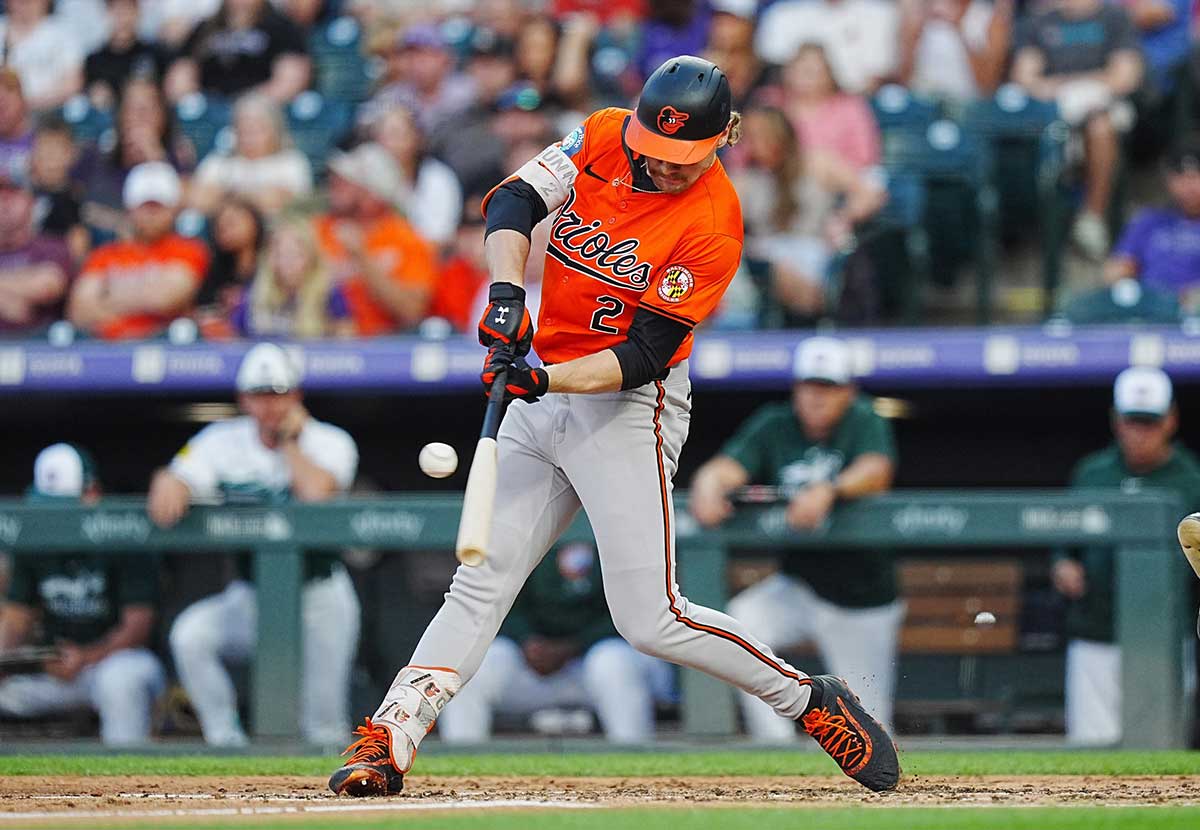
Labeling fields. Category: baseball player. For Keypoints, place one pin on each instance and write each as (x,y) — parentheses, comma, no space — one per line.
(99,610)
(646,235)
(275,452)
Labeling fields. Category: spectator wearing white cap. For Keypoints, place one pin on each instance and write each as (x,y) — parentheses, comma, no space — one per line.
(98,610)
(275,452)
(827,446)
(134,288)
(1144,454)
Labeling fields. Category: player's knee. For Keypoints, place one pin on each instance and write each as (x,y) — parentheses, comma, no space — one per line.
(644,632)
(611,657)
(192,637)
(125,677)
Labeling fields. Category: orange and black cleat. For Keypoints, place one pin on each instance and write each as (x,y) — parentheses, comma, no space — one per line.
(855,740)
(370,770)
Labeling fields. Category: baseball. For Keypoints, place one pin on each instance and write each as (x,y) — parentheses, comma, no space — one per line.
(438,460)
(985,618)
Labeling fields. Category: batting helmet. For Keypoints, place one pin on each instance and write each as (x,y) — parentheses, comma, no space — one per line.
(683,109)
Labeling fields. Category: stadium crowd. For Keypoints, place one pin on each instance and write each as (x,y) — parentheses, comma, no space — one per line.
(314,168)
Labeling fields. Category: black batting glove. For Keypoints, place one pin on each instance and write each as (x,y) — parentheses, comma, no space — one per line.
(521,380)
(505,321)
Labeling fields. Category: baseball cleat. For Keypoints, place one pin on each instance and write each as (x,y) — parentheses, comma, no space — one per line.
(854,740)
(1189,539)
(370,770)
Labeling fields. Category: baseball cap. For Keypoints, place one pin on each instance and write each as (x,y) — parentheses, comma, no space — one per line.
(1184,158)
(738,8)
(62,471)
(267,368)
(1142,391)
(683,109)
(152,181)
(822,360)
(369,165)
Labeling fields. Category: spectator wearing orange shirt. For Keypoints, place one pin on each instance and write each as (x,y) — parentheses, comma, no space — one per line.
(385,269)
(134,288)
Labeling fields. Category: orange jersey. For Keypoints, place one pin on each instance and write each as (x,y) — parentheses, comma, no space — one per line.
(614,248)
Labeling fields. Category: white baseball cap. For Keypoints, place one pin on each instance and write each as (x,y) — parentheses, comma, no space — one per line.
(369,165)
(268,368)
(1144,391)
(822,359)
(152,181)
(62,471)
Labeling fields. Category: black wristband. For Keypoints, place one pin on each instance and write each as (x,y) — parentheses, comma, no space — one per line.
(506,291)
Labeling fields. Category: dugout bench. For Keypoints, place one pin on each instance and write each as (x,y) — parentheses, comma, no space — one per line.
(1153,578)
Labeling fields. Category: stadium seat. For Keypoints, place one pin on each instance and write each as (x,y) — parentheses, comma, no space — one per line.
(955,167)
(896,108)
(87,123)
(1028,141)
(343,73)
(201,119)
(316,123)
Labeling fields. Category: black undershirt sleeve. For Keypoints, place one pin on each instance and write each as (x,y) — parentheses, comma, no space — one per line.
(650,342)
(515,206)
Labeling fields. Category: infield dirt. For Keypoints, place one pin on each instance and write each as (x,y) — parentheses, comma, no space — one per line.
(60,797)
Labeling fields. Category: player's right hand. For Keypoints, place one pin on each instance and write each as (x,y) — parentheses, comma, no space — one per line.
(709,506)
(1069,578)
(506,321)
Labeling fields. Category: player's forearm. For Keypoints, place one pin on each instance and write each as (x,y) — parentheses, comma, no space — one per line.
(506,252)
(310,482)
(591,374)
(868,474)
(132,631)
(16,624)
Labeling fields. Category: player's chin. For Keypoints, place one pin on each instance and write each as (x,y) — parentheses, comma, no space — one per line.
(671,185)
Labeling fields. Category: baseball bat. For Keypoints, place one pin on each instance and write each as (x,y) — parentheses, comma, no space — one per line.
(475,524)
(1189,540)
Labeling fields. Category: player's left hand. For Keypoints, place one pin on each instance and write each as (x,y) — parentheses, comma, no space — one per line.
(68,664)
(808,509)
(521,380)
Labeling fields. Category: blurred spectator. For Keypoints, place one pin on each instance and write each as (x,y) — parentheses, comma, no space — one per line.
(308,14)
(465,273)
(262,166)
(145,132)
(825,117)
(1161,246)
(800,207)
(169,22)
(671,27)
(386,270)
(1165,27)
(860,37)
(275,452)
(609,13)
(554,60)
(504,17)
(1085,55)
(1145,455)
(827,447)
(246,46)
(731,47)
(35,270)
(57,207)
(239,235)
(292,295)
(98,609)
(429,193)
(423,80)
(135,288)
(954,49)
(16,129)
(45,53)
(558,648)
(123,56)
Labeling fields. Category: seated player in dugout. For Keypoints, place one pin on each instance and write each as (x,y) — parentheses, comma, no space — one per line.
(97,610)
(646,236)
(558,648)
(825,447)
(275,452)
(1144,454)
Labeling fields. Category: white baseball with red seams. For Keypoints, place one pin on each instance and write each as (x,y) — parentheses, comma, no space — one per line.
(438,460)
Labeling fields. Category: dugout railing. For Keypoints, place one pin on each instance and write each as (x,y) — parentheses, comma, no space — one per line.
(1153,580)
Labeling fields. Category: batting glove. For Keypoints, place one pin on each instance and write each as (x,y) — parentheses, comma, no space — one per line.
(506,321)
(520,381)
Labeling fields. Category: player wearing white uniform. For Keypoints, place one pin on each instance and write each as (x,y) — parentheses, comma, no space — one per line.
(646,235)
(274,452)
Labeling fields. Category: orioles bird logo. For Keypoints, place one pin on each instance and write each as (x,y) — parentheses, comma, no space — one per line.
(671,120)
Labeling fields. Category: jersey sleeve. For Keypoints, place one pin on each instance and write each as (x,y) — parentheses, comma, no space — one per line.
(877,437)
(22,582)
(690,286)
(137,584)
(750,445)
(196,463)
(333,450)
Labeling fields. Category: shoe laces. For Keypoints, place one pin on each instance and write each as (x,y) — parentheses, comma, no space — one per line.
(374,744)
(834,734)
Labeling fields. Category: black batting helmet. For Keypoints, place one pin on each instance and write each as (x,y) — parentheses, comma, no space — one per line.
(682,111)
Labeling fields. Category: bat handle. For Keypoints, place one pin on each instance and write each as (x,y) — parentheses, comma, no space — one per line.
(495,406)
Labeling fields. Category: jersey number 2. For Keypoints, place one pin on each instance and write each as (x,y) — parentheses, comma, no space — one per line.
(610,308)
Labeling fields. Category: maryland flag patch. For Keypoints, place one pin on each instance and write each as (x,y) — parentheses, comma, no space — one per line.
(676,283)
